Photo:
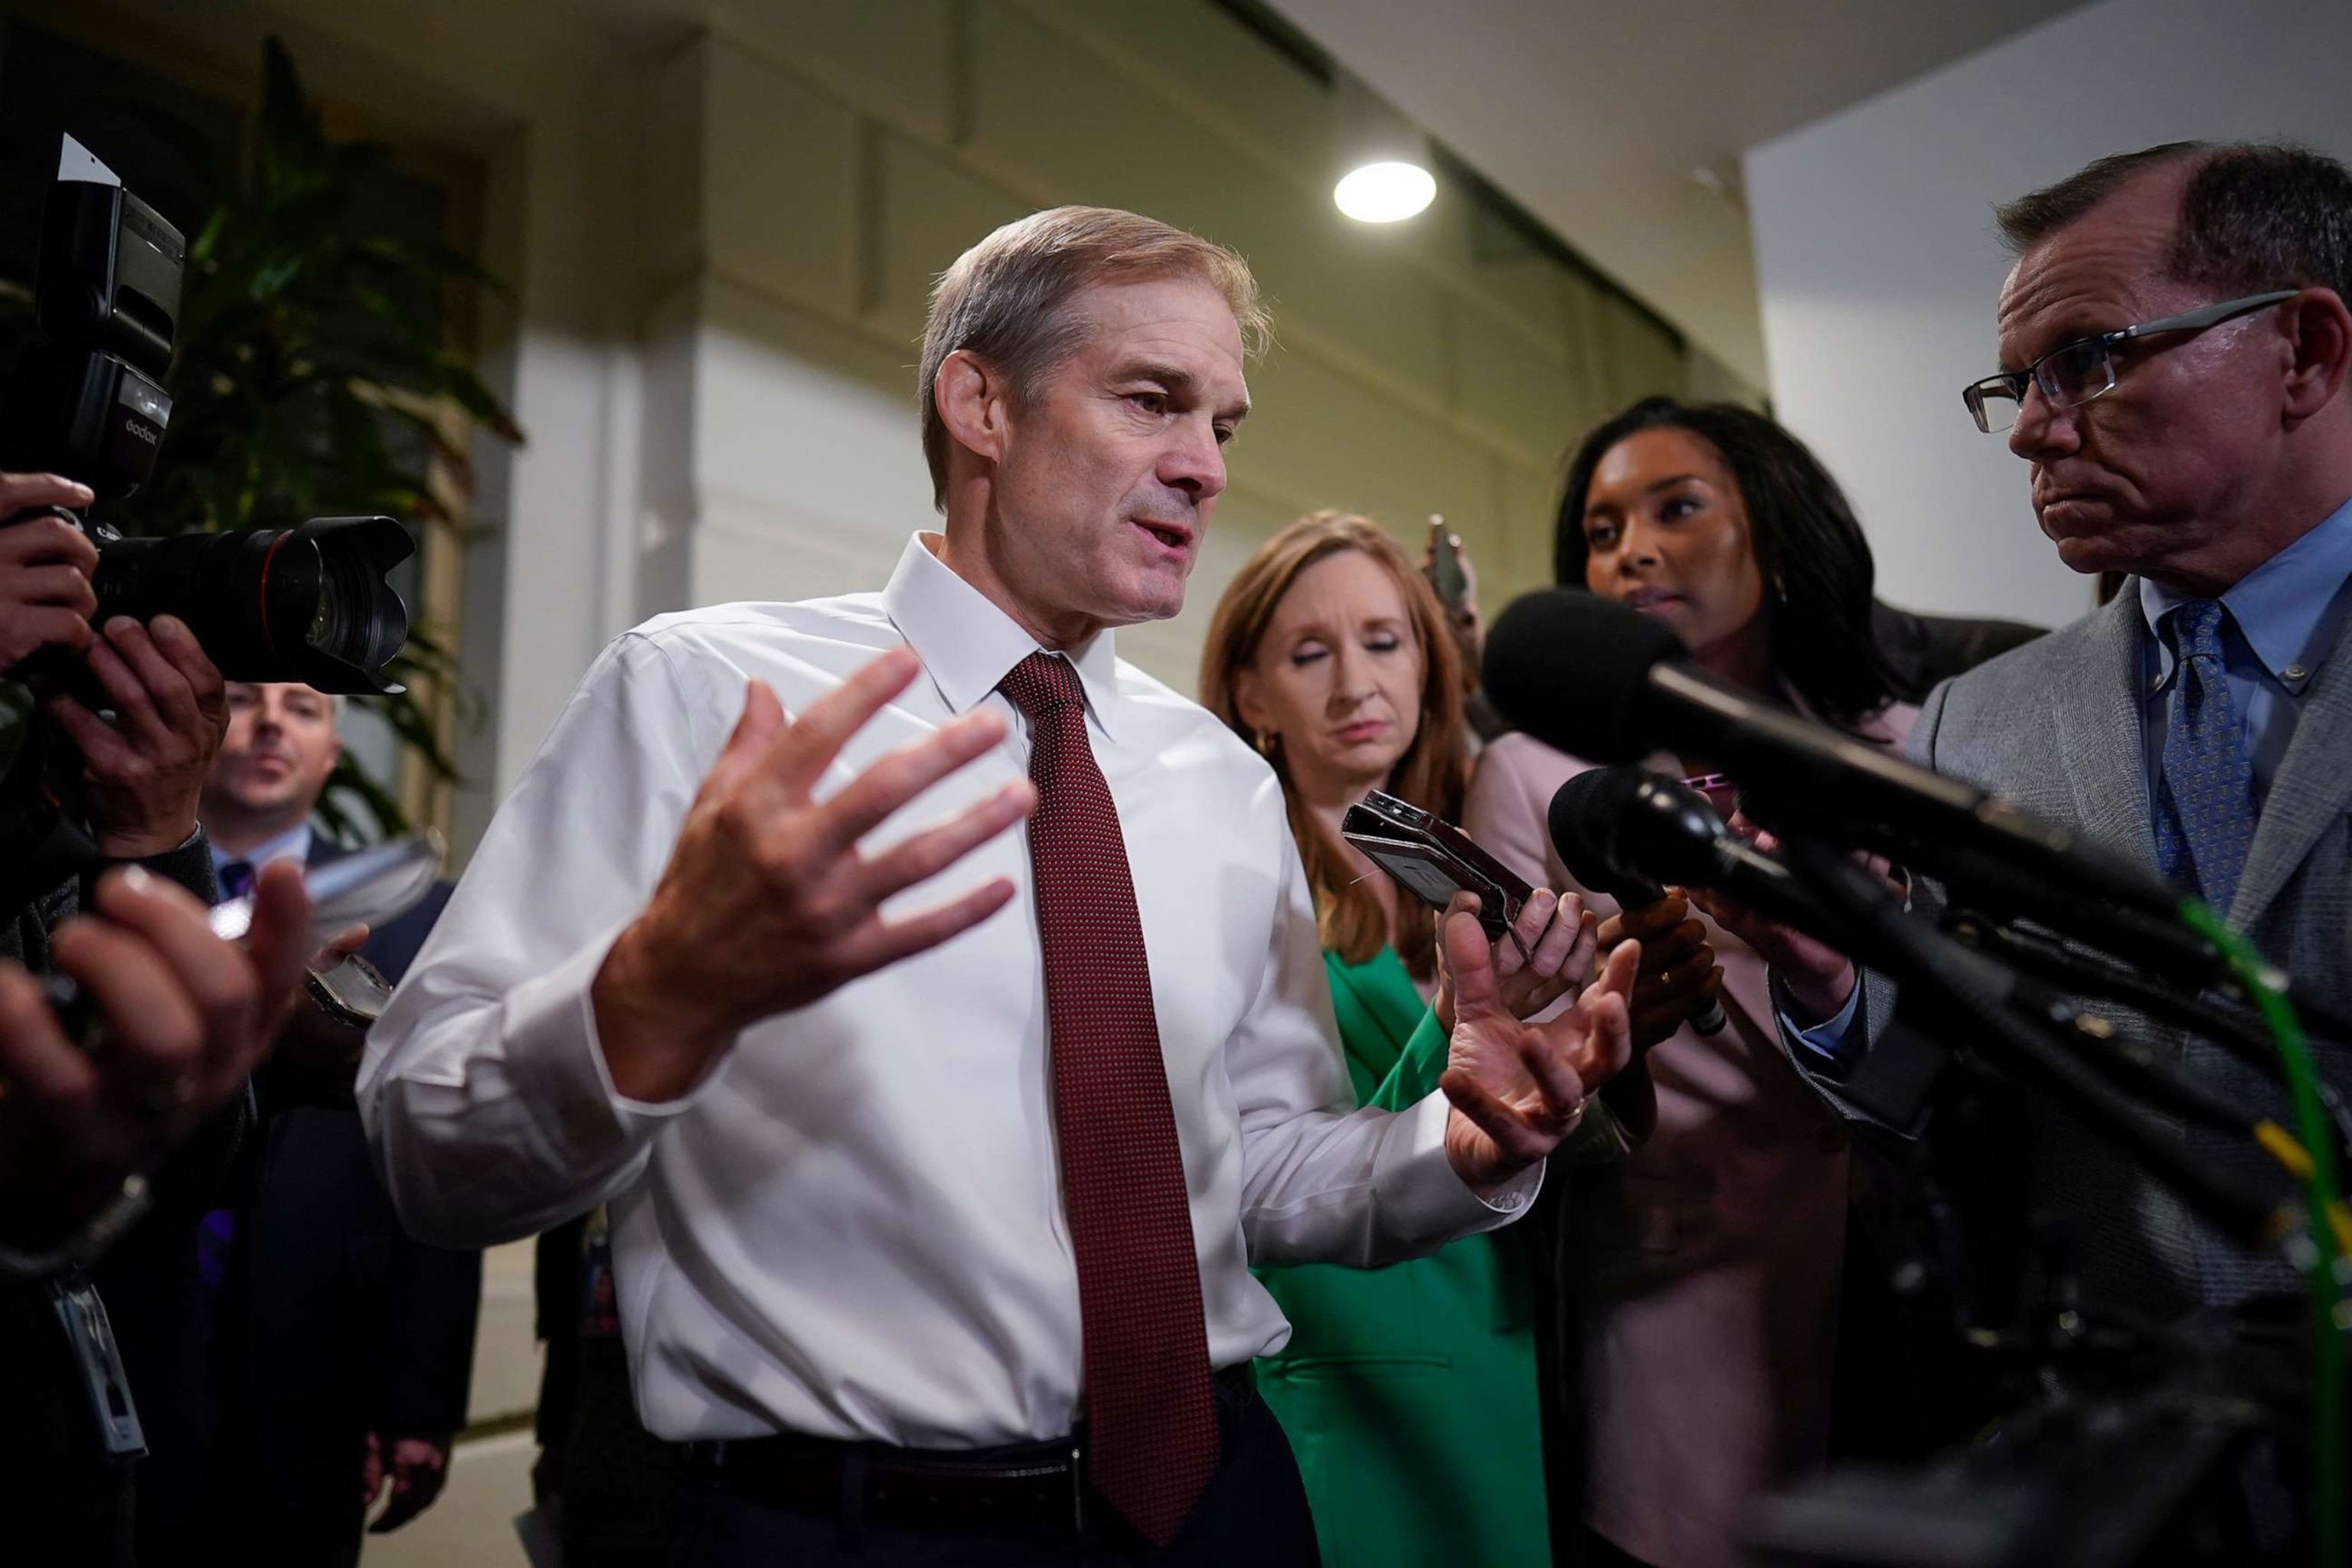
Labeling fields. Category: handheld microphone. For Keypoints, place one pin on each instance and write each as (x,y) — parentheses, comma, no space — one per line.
(1596,679)
(1633,826)
(1583,813)
(1632,822)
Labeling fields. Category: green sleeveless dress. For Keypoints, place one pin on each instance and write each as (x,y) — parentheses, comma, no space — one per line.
(1409,1393)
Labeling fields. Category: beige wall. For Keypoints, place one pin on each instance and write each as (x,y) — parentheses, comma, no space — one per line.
(1877,261)
(817,168)
(721,221)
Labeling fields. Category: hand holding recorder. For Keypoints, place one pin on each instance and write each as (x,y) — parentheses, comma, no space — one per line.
(1817,977)
(1543,942)
(1679,977)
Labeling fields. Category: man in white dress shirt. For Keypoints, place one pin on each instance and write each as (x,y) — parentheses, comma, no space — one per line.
(896,1270)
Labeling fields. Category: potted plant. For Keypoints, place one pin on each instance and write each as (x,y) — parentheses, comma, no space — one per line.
(311,376)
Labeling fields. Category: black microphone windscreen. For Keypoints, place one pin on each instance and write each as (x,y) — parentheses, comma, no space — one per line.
(1571,669)
(1583,821)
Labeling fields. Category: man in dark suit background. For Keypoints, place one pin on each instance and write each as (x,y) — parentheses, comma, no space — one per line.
(342,1349)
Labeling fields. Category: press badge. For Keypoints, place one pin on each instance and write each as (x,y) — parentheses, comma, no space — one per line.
(83,1317)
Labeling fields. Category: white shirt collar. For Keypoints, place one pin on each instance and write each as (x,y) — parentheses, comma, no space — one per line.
(968,643)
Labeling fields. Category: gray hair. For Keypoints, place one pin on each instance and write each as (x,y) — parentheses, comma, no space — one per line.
(1002,299)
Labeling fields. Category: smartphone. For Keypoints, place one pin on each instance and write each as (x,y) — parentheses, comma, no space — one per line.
(1718,790)
(367,887)
(1433,860)
(352,991)
(1445,574)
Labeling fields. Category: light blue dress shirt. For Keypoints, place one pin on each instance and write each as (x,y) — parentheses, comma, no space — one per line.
(294,845)
(2283,617)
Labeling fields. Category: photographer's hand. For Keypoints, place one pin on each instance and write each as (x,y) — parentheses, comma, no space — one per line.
(187,1017)
(144,771)
(767,903)
(46,567)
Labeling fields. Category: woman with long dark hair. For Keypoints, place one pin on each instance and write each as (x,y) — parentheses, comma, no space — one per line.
(1791,611)
(1700,1277)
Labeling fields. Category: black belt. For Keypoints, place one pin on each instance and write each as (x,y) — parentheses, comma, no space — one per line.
(1026,1487)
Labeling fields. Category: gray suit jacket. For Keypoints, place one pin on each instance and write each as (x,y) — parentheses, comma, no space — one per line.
(2055,726)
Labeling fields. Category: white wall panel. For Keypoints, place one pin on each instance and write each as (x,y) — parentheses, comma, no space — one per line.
(1878,263)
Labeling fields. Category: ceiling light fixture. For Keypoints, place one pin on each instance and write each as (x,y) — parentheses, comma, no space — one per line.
(1385,158)
(1385,193)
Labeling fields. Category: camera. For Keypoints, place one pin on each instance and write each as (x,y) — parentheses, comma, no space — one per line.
(86,400)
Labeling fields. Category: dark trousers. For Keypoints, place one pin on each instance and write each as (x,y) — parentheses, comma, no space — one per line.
(621,1484)
(1253,1515)
(62,1499)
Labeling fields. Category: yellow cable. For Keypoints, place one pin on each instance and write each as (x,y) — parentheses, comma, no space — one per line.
(2284,1148)
(2297,1158)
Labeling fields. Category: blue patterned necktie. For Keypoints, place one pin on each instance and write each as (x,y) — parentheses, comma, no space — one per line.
(236,879)
(2205,813)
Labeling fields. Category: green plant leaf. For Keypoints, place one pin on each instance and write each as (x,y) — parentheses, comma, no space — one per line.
(303,385)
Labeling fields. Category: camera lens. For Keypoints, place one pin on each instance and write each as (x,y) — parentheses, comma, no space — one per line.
(308,603)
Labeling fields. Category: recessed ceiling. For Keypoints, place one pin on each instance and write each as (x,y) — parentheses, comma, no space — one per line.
(1621,124)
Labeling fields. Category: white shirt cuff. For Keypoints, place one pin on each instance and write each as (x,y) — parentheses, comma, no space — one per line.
(558,1064)
(1425,1199)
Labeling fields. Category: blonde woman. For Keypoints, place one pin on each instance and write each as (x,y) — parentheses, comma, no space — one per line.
(1408,1394)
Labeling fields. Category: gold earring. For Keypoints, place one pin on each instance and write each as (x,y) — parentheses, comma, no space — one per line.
(1265,739)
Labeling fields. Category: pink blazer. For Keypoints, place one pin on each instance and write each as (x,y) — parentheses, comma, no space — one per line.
(1707,1263)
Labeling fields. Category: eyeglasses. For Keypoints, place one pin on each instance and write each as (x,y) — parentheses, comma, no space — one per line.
(2078,372)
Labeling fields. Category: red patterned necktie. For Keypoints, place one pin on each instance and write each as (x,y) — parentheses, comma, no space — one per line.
(1150,1410)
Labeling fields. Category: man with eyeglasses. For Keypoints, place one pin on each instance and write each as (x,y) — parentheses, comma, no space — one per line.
(2174,341)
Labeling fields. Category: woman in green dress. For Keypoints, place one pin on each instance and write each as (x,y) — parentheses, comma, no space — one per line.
(1409,1393)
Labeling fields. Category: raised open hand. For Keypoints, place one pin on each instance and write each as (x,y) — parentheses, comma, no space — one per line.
(767,904)
(1518,1089)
